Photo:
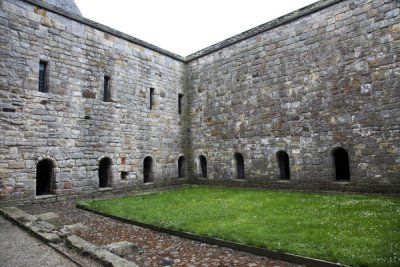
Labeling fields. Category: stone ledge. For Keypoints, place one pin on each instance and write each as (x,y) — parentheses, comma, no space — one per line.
(38,228)
(104,256)
(46,232)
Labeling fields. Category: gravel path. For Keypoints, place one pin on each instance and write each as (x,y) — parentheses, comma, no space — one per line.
(153,248)
(19,249)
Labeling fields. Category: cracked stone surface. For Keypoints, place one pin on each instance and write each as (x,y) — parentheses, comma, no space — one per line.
(153,248)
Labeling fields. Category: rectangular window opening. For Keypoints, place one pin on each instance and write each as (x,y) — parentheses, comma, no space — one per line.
(43,79)
(151,98)
(106,96)
(180,100)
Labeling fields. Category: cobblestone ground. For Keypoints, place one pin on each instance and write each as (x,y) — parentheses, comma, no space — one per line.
(153,248)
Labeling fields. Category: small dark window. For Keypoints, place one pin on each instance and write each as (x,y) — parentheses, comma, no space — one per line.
(124,175)
(180,99)
(43,79)
(147,170)
(44,177)
(106,96)
(181,167)
(151,98)
(341,163)
(105,172)
(239,162)
(283,163)
(203,166)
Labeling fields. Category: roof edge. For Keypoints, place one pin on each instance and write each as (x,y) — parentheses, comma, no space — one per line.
(104,28)
(312,8)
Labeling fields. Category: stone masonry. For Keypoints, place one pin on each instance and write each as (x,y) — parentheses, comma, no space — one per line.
(321,78)
(326,80)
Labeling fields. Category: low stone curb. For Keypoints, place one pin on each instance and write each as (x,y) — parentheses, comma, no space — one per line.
(52,238)
(102,255)
(223,243)
(25,221)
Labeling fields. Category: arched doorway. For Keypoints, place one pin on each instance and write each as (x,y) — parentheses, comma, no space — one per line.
(148,170)
(341,163)
(181,167)
(203,166)
(283,163)
(239,166)
(105,172)
(44,177)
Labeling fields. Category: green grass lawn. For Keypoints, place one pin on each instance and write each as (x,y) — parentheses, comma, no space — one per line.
(358,230)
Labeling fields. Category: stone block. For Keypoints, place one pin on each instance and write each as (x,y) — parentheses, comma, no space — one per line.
(112,260)
(122,248)
(74,229)
(83,246)
(47,216)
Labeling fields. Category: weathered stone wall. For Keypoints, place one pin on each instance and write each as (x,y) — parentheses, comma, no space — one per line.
(71,124)
(324,77)
(325,80)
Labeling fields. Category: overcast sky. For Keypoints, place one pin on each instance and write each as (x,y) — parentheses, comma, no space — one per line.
(185,26)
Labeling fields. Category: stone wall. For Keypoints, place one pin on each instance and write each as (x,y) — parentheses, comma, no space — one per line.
(71,125)
(306,85)
(321,78)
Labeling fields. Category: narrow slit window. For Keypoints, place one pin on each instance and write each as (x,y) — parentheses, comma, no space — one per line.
(43,85)
(180,100)
(151,98)
(106,96)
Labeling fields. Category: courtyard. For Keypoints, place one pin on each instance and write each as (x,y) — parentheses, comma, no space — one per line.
(352,229)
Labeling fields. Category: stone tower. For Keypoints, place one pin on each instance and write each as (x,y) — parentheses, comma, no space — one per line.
(68,5)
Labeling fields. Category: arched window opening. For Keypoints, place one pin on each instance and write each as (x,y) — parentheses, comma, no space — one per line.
(44,177)
(239,165)
(181,167)
(203,166)
(105,172)
(341,163)
(283,163)
(148,170)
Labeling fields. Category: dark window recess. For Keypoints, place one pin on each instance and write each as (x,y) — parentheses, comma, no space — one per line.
(239,162)
(283,163)
(107,94)
(180,100)
(151,98)
(124,175)
(203,166)
(341,163)
(147,170)
(44,177)
(181,167)
(43,79)
(105,173)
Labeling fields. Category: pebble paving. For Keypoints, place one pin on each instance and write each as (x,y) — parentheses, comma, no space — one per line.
(153,248)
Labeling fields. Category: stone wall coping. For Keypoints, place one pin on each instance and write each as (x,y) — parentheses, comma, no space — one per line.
(208,50)
(104,28)
(312,8)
